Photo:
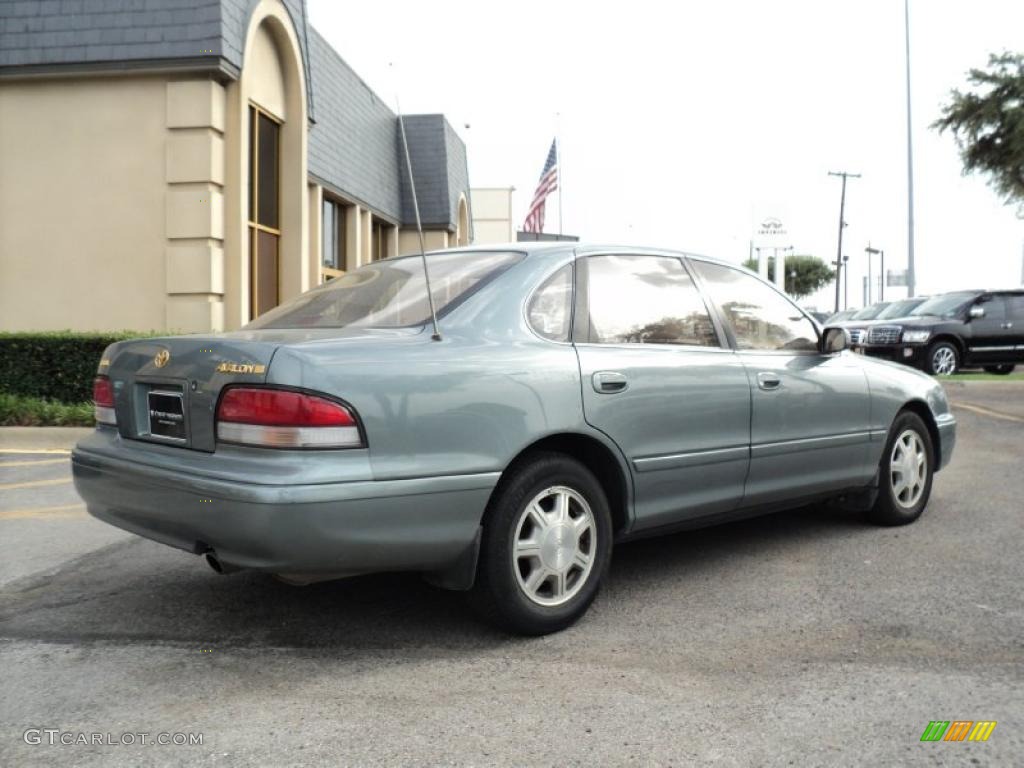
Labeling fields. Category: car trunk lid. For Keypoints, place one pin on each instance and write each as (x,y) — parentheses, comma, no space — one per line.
(166,389)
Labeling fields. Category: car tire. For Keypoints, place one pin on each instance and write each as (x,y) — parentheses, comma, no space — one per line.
(546,546)
(943,359)
(904,473)
(1000,370)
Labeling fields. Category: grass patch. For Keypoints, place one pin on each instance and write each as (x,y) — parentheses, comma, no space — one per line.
(982,376)
(21,411)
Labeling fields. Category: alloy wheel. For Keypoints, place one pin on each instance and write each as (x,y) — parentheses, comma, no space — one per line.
(908,468)
(944,361)
(555,546)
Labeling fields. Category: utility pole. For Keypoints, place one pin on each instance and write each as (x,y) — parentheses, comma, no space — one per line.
(842,208)
(910,163)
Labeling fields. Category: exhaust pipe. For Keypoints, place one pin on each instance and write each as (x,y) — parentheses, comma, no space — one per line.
(220,567)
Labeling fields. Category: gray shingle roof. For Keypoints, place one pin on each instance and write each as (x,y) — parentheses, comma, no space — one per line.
(439,167)
(61,32)
(354,144)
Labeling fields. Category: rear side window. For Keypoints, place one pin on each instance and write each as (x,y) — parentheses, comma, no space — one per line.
(391,293)
(760,317)
(550,308)
(646,300)
(1015,311)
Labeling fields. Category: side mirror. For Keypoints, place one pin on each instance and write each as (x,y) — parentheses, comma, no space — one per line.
(977,311)
(835,340)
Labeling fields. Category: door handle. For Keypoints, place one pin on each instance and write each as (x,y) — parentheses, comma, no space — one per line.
(609,382)
(768,381)
(1006,325)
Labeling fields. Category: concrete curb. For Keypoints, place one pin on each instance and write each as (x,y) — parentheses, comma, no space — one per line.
(41,438)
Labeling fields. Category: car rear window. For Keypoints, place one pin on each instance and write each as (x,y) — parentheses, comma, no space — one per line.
(391,293)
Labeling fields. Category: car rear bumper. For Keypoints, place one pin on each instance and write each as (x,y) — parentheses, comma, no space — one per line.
(423,524)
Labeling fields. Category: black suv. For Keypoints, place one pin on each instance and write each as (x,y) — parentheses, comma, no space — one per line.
(978,329)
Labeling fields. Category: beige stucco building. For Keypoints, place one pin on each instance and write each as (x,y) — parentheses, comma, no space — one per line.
(165,166)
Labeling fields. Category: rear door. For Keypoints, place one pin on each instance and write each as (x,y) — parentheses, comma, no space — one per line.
(993,338)
(1015,317)
(658,380)
(810,422)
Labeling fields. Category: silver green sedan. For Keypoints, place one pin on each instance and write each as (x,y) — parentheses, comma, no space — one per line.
(576,398)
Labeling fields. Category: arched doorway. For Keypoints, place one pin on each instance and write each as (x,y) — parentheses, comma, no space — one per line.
(266,242)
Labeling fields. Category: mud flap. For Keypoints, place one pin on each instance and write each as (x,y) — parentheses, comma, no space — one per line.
(461,574)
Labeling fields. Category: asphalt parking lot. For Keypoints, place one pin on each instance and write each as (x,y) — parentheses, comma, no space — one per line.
(805,638)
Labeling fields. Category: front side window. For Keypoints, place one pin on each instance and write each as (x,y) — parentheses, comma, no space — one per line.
(391,293)
(550,308)
(760,317)
(646,300)
(995,308)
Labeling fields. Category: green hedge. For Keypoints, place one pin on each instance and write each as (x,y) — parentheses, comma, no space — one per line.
(57,365)
(17,411)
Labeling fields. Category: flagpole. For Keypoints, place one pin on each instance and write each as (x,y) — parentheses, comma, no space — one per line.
(558,164)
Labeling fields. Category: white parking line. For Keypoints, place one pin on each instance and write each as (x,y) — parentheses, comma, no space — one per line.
(67,510)
(33,484)
(32,463)
(982,411)
(30,451)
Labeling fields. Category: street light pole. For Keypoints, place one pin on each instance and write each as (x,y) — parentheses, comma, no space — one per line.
(910,163)
(846,283)
(881,276)
(842,208)
(871,252)
(871,281)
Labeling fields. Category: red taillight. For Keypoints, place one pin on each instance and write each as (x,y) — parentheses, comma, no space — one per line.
(284,419)
(103,400)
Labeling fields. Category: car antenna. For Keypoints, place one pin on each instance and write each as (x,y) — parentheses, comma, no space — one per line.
(436,336)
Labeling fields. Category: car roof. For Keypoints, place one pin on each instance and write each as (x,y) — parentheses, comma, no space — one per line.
(558,248)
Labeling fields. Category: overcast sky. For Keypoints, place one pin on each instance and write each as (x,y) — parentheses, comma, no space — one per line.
(683,124)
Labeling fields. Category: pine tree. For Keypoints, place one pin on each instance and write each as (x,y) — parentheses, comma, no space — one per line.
(988,124)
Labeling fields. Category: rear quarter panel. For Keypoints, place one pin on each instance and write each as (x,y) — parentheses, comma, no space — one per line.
(466,404)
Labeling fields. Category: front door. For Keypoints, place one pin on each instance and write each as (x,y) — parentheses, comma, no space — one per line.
(810,422)
(658,380)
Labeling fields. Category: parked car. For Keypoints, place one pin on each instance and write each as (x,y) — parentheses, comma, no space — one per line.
(870,312)
(820,317)
(575,398)
(840,316)
(858,320)
(895,310)
(981,329)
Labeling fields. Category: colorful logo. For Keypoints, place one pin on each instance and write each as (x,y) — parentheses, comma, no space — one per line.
(958,730)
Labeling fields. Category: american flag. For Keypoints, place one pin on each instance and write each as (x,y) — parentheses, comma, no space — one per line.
(548,183)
